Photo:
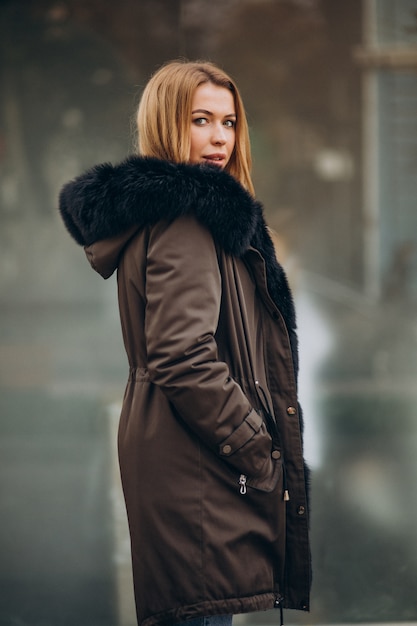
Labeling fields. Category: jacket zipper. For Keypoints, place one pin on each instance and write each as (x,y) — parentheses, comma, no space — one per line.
(242,483)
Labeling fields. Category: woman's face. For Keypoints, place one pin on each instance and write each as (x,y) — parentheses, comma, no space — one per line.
(213,125)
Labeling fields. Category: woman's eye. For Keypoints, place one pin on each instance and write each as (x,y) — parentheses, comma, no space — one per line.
(230,123)
(200,121)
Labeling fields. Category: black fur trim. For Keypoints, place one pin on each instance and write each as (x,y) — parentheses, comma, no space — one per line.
(107,200)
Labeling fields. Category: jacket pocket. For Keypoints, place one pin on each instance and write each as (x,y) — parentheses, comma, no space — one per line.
(249,450)
(269,479)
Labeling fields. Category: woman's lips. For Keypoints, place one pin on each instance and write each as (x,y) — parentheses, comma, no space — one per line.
(215,158)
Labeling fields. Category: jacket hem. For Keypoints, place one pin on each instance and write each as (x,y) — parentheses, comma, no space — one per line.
(228,606)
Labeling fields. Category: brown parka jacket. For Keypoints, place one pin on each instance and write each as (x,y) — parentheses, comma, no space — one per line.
(210,437)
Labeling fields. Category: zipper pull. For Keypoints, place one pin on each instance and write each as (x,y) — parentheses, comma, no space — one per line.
(242,483)
(286,495)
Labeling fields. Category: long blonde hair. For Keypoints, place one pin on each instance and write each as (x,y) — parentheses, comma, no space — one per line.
(164,115)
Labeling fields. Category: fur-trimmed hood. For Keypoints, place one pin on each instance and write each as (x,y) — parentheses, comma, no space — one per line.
(108,201)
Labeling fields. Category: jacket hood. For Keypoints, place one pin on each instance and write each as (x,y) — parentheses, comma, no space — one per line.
(104,207)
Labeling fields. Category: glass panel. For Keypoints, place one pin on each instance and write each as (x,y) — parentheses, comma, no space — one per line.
(398,182)
(396,22)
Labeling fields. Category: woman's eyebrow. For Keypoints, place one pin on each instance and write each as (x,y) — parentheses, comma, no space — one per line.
(210,113)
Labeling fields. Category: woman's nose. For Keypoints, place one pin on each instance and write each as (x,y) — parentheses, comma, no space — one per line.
(219,135)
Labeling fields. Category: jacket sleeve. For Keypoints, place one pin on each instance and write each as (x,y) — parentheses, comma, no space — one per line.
(183,292)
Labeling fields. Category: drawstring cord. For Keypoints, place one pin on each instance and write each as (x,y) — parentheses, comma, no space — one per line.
(278,605)
(286,496)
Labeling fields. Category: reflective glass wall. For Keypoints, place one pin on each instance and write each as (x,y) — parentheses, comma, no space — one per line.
(330,89)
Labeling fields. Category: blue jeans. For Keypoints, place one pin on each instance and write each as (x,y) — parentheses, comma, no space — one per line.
(209,620)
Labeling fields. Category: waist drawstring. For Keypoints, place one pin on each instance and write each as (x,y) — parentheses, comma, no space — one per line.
(278,605)
(286,495)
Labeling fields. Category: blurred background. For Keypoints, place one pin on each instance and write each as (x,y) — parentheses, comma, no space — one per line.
(330,88)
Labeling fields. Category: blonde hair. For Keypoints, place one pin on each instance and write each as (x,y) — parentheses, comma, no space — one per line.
(164,115)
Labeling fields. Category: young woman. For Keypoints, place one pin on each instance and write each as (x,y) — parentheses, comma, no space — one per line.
(210,437)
